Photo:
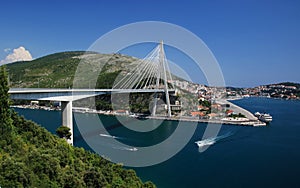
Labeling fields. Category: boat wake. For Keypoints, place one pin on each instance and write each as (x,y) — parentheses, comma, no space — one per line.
(115,146)
(126,148)
(108,136)
(211,141)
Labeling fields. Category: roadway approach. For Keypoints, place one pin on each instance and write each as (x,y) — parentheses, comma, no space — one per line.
(67,96)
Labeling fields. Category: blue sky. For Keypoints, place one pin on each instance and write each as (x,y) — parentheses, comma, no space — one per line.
(255,42)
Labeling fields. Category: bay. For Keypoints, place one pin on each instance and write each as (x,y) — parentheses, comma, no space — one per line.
(248,157)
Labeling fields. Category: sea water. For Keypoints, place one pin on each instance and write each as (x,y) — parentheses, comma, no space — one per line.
(241,156)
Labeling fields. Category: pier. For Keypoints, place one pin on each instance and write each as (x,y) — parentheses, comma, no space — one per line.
(238,109)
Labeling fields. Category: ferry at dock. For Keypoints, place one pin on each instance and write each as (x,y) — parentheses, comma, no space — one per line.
(264,117)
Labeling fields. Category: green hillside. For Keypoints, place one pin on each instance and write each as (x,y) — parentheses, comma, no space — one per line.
(36,158)
(57,70)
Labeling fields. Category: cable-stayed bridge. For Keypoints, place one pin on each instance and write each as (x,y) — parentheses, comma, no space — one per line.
(151,75)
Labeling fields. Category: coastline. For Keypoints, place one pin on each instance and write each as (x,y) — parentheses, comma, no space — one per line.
(250,119)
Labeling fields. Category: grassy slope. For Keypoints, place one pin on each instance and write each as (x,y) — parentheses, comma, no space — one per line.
(57,70)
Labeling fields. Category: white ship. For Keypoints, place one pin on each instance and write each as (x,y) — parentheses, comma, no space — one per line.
(264,117)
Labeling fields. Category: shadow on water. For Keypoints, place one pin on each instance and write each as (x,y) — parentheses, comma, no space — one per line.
(115,125)
(115,129)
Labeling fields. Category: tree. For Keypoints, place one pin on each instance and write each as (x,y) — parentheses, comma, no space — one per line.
(63,132)
(5,111)
(94,178)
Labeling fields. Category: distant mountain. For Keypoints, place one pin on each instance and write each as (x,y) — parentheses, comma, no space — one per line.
(57,70)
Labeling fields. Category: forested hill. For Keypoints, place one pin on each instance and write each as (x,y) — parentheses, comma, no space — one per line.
(57,70)
(33,157)
(30,156)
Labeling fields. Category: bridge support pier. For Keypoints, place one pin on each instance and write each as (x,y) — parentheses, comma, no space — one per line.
(153,113)
(169,113)
(67,117)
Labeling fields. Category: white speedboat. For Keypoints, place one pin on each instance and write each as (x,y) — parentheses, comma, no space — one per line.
(205,142)
(212,140)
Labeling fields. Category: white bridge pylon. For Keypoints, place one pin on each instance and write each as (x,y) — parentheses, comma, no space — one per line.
(152,72)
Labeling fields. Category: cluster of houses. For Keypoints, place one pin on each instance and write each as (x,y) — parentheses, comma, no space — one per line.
(207,106)
(215,111)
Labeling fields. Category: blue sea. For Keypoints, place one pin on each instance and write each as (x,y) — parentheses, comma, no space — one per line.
(240,157)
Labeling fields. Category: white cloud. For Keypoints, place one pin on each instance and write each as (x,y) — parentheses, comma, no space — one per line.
(18,54)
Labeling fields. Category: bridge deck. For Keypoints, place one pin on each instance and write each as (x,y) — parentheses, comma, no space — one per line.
(59,94)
